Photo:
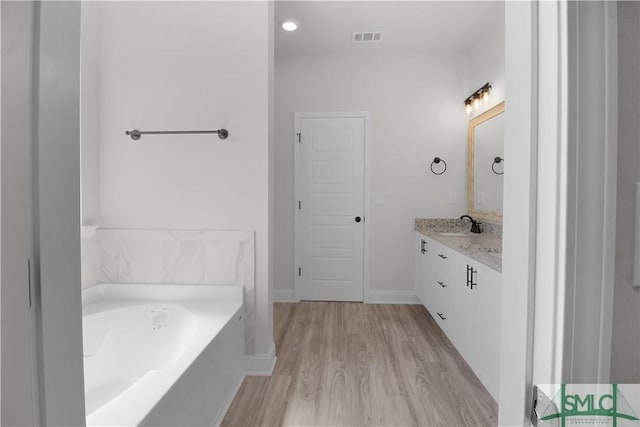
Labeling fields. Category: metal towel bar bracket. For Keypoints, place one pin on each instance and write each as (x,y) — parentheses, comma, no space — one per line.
(136,134)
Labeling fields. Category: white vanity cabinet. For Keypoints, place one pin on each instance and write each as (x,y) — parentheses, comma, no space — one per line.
(478,295)
(463,296)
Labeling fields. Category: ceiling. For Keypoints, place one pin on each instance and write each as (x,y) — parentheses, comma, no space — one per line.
(327,26)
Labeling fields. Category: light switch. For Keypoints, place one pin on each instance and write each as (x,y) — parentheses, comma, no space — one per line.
(377,198)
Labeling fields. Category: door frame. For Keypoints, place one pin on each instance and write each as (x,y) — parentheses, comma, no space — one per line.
(541,255)
(297,159)
(18,374)
(54,215)
(591,179)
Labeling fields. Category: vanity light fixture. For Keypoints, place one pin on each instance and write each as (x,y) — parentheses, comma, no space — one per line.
(289,25)
(477,98)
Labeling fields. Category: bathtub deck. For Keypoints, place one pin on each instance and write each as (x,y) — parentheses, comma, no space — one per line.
(353,364)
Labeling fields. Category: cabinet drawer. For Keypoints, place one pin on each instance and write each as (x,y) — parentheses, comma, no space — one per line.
(442,265)
(441,309)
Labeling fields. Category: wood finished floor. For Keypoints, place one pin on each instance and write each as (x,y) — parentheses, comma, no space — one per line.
(352,364)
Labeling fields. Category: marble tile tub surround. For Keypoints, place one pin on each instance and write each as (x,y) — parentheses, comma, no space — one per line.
(485,247)
(218,257)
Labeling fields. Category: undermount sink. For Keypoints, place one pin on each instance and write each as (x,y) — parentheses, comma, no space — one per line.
(453,234)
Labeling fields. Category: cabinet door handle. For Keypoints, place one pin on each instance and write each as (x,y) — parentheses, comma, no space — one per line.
(468,276)
(442,256)
(474,280)
(423,246)
(442,316)
(441,283)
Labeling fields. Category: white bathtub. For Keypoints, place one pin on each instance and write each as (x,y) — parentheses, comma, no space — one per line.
(161,354)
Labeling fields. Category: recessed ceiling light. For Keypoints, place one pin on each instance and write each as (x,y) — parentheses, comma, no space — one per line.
(289,25)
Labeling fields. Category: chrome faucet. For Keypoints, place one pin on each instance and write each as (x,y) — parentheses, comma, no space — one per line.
(475,225)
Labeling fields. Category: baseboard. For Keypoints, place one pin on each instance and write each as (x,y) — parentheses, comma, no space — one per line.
(284,295)
(375,297)
(261,364)
(228,401)
(392,297)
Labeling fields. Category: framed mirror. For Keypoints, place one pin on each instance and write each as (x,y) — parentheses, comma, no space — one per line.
(486,164)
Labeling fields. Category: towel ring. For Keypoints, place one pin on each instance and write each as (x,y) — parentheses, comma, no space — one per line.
(496,161)
(435,161)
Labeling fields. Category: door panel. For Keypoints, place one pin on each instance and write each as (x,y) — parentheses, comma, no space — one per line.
(332,204)
(332,236)
(332,172)
(331,243)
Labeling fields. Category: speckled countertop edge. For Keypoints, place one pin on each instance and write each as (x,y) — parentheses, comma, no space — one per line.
(485,247)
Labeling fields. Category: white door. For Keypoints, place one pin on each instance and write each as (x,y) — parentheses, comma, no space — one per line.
(330,223)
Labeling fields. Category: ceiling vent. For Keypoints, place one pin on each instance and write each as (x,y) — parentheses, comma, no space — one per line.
(367,36)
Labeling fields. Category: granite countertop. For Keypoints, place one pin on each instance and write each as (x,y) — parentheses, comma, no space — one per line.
(485,247)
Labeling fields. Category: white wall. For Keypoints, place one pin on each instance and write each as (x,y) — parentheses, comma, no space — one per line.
(416,100)
(417,113)
(625,354)
(0,210)
(16,121)
(55,262)
(519,226)
(89,70)
(484,62)
(271,165)
(187,65)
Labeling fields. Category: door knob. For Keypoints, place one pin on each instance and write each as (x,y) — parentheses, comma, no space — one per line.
(358,219)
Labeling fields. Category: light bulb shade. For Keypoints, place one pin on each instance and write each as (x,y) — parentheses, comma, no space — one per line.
(485,96)
(468,108)
(289,25)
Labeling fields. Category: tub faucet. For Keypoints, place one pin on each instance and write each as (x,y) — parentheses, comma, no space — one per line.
(475,225)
